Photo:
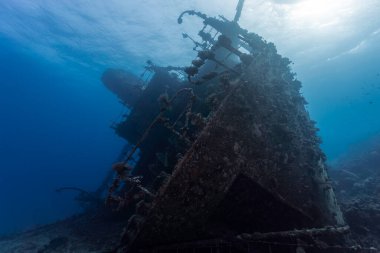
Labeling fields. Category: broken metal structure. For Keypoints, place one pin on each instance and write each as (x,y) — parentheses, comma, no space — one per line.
(225,154)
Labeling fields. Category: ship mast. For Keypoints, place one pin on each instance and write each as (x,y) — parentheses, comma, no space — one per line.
(239,8)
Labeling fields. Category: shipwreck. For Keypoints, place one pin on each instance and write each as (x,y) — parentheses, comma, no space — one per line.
(228,155)
(222,155)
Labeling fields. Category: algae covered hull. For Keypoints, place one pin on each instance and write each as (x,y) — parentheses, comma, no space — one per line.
(238,153)
(221,155)
(256,166)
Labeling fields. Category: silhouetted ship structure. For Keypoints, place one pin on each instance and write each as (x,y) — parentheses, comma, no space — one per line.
(230,152)
(222,155)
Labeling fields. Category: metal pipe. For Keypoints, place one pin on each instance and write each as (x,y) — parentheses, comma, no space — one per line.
(239,8)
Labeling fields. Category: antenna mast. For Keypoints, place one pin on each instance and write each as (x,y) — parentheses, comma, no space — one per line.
(239,8)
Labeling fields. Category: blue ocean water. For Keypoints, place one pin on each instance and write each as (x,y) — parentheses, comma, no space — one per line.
(55,114)
(54,132)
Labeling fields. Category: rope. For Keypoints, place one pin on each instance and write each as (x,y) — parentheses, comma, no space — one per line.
(325,247)
(220,244)
(295,233)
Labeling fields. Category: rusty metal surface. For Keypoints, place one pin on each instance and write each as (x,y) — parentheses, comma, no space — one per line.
(260,130)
